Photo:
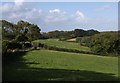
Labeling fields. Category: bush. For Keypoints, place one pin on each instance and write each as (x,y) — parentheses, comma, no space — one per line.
(14,45)
(104,43)
(10,45)
(84,41)
(115,47)
(4,47)
(27,45)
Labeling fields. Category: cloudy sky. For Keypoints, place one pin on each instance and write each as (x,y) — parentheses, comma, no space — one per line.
(50,16)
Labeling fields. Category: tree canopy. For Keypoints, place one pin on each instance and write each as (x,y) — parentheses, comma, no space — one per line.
(12,31)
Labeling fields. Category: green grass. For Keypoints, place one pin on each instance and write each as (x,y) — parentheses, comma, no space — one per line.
(53,65)
(64,44)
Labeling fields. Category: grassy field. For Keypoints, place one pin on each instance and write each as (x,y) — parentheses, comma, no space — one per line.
(64,44)
(40,65)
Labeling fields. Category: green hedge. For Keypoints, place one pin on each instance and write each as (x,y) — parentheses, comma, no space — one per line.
(67,50)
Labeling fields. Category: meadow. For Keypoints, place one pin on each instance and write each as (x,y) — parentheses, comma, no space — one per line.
(48,65)
(31,55)
(64,44)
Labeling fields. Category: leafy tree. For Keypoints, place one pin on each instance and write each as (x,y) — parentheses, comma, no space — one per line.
(11,31)
(79,32)
(7,30)
(33,32)
(91,32)
(105,43)
(115,47)
(21,38)
(18,33)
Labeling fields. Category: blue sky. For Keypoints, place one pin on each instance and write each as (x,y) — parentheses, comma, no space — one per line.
(50,16)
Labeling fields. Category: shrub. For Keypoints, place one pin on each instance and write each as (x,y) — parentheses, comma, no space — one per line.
(4,47)
(14,45)
(84,41)
(104,43)
(114,47)
(27,45)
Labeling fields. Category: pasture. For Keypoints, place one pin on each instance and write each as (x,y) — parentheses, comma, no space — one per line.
(47,65)
(64,44)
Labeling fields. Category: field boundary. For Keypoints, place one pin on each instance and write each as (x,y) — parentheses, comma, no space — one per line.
(66,50)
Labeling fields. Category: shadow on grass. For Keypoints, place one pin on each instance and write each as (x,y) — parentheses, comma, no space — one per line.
(12,57)
(17,69)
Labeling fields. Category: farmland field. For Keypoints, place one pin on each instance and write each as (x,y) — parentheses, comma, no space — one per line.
(39,65)
(64,44)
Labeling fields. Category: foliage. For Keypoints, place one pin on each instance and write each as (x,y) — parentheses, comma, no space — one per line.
(104,43)
(18,34)
(12,31)
(115,47)
(70,34)
(7,30)
(14,45)
(27,45)
(4,47)
(84,41)
(79,32)
(21,38)
(44,36)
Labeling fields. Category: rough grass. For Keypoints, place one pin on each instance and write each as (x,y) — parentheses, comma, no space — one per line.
(64,44)
(40,65)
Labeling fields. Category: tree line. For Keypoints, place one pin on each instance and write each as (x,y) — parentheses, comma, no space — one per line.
(105,43)
(16,36)
(69,34)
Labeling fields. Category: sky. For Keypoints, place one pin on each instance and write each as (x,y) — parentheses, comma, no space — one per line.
(49,16)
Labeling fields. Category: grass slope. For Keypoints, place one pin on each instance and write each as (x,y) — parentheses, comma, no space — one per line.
(53,65)
(64,44)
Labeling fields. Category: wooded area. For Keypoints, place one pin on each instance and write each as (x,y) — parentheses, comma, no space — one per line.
(21,35)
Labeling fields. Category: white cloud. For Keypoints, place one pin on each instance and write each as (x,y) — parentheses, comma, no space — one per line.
(80,15)
(51,18)
(18,11)
(55,11)
(9,8)
(19,2)
(56,16)
(14,13)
